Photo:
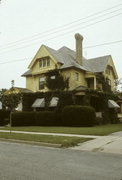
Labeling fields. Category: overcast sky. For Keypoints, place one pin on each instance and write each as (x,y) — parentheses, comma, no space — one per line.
(27,24)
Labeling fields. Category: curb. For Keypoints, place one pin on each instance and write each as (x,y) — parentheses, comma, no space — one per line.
(31,143)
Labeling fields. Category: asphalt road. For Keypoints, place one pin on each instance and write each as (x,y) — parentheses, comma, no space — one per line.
(28,162)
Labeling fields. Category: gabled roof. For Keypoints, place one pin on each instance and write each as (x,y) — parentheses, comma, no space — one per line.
(27,73)
(67,58)
(16,90)
(97,64)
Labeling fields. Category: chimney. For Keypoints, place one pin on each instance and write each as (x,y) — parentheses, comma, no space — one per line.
(79,51)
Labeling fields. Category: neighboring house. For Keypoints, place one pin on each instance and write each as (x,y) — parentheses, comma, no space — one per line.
(82,72)
(16,90)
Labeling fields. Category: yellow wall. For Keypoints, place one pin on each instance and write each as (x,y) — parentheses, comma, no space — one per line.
(73,83)
(35,69)
(32,83)
(111,76)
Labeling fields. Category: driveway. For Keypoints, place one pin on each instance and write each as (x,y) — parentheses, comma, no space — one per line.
(110,144)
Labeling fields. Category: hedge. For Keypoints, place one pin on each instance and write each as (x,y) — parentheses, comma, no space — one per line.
(72,115)
(23,119)
(4,117)
(42,118)
(48,118)
(76,115)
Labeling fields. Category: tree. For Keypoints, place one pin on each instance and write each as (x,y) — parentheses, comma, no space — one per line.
(118,82)
(11,101)
(55,81)
(1,97)
(10,98)
(104,81)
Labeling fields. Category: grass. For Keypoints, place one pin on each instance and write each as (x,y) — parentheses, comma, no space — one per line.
(97,130)
(64,141)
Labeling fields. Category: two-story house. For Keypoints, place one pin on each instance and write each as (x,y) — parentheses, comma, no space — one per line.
(82,72)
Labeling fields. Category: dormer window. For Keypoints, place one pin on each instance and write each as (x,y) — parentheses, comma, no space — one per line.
(48,62)
(76,76)
(44,62)
(108,70)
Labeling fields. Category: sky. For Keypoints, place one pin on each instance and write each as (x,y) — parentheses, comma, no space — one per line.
(26,25)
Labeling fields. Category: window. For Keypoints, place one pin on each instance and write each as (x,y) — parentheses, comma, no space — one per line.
(41,63)
(108,81)
(52,77)
(48,62)
(41,83)
(108,71)
(44,62)
(76,76)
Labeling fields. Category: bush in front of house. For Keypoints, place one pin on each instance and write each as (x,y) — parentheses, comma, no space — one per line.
(4,117)
(23,119)
(42,118)
(47,118)
(79,116)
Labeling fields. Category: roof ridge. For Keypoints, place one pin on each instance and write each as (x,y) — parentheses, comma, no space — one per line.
(99,57)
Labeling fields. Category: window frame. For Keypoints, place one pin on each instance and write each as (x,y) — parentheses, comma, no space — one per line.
(44,62)
(41,83)
(76,76)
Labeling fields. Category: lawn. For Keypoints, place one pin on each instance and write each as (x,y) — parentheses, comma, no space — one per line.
(62,140)
(97,130)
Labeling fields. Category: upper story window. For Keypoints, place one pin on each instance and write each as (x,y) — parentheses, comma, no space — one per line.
(41,83)
(48,62)
(108,70)
(108,81)
(76,76)
(44,62)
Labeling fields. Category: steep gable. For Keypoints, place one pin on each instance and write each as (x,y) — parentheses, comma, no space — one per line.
(111,64)
(42,52)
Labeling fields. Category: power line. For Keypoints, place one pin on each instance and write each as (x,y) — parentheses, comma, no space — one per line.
(63,33)
(92,46)
(69,24)
(62,29)
(15,60)
(104,44)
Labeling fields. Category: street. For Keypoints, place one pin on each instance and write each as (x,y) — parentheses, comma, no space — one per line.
(28,162)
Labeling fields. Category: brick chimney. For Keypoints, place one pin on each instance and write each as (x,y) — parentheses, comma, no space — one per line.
(79,49)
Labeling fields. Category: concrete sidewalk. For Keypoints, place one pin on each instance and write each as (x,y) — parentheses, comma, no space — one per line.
(53,134)
(111,143)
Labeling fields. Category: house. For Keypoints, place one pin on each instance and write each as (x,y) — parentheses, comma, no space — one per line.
(82,73)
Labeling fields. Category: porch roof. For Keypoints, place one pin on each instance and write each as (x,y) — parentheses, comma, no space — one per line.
(54,102)
(40,102)
(112,104)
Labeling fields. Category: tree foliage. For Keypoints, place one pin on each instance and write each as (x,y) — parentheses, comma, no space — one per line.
(55,81)
(10,100)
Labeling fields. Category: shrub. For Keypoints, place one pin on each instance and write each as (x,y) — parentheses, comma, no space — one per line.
(4,117)
(76,115)
(47,118)
(42,118)
(23,119)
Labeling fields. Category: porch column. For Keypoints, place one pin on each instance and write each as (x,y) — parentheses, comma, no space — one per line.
(94,82)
